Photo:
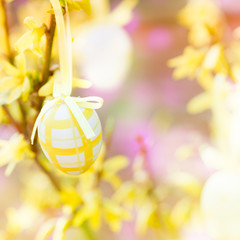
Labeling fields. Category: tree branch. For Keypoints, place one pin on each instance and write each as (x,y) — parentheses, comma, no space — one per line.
(49,43)
(12,120)
(6,30)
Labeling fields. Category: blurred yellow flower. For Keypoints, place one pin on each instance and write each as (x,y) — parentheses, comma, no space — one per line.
(31,39)
(111,167)
(114,214)
(206,55)
(20,219)
(187,64)
(88,200)
(71,197)
(120,15)
(13,151)
(3,117)
(195,11)
(142,196)
(79,5)
(204,20)
(15,82)
(60,227)
(96,207)
(39,192)
(106,169)
(201,64)
(200,103)
(46,229)
(186,182)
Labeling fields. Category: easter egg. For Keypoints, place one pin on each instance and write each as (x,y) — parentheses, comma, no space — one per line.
(63,141)
(220,205)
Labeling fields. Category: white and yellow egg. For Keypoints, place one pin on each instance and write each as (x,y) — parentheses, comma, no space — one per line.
(220,205)
(63,141)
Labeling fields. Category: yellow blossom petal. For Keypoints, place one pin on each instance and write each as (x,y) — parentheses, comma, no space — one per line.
(212,57)
(10,168)
(14,94)
(81,83)
(125,193)
(200,103)
(187,64)
(115,164)
(7,83)
(114,214)
(197,11)
(21,62)
(200,35)
(181,212)
(30,23)
(25,89)
(84,5)
(46,229)
(31,40)
(47,88)
(144,214)
(14,151)
(122,14)
(236,72)
(60,227)
(100,8)
(9,68)
(24,41)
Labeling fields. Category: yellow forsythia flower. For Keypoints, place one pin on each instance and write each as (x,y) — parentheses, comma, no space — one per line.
(93,206)
(13,151)
(31,39)
(187,64)
(15,82)
(80,5)
(20,219)
(204,20)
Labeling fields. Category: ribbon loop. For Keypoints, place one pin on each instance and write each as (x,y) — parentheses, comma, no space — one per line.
(89,102)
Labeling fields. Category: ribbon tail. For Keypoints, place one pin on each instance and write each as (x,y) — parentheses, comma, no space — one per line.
(69,52)
(45,108)
(82,121)
(64,83)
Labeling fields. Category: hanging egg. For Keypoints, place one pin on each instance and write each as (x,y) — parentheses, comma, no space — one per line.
(63,141)
(220,205)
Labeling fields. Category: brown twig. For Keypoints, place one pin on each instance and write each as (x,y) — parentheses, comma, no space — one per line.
(6,30)
(48,52)
(12,120)
(24,120)
(45,75)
